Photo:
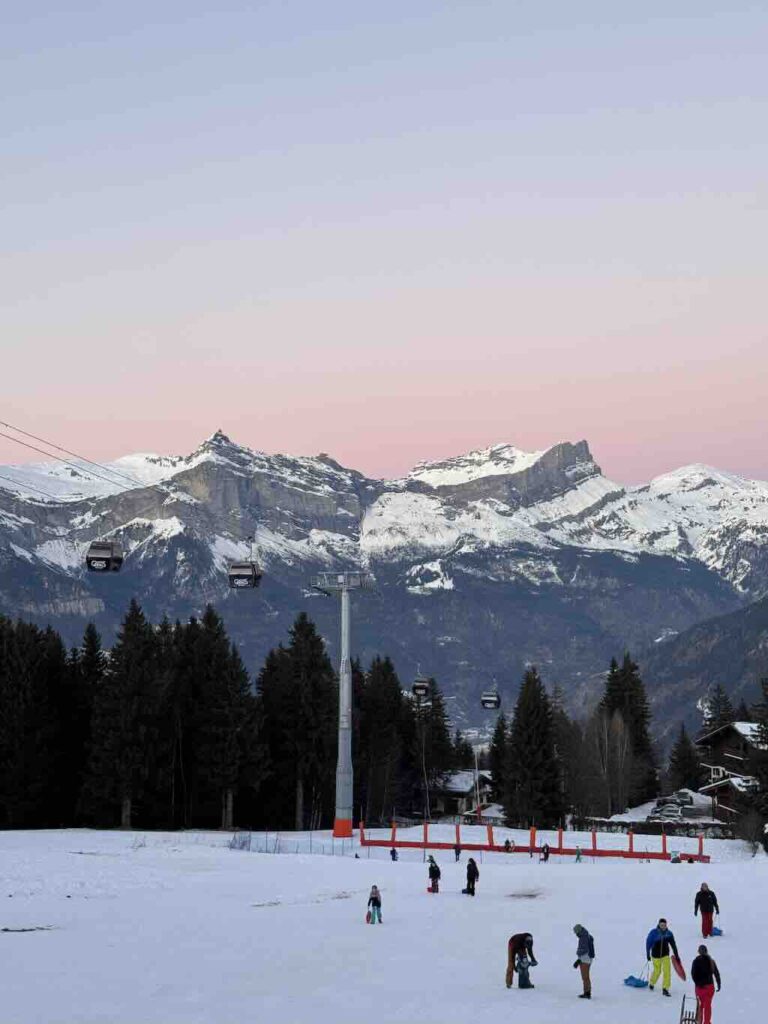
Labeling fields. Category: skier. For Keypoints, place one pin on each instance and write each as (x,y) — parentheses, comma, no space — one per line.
(545,852)
(374,904)
(706,902)
(457,852)
(472,876)
(657,946)
(704,974)
(585,954)
(393,854)
(434,875)
(519,945)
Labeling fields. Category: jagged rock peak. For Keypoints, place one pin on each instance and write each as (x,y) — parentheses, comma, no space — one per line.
(498,460)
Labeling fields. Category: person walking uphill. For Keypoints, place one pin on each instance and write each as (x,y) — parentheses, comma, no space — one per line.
(472,876)
(657,946)
(706,902)
(704,974)
(374,904)
(434,875)
(585,954)
(520,945)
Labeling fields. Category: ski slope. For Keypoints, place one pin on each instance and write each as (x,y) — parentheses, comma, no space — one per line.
(161,927)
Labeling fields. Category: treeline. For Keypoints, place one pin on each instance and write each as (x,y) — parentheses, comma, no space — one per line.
(166,730)
(545,765)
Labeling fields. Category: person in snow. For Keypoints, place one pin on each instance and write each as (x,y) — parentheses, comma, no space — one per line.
(457,852)
(472,876)
(704,974)
(585,954)
(434,875)
(578,855)
(706,902)
(657,946)
(393,854)
(507,846)
(545,852)
(519,945)
(374,904)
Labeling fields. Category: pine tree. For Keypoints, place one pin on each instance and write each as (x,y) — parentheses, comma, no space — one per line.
(299,700)
(124,725)
(497,757)
(533,794)
(743,714)
(379,746)
(625,706)
(685,771)
(718,710)
(463,752)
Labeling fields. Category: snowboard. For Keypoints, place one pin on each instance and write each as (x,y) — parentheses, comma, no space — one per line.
(679,969)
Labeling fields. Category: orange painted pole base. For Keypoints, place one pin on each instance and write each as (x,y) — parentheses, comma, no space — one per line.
(342,828)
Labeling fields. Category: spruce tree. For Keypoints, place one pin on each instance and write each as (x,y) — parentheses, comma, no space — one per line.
(380,747)
(463,752)
(533,794)
(718,710)
(685,771)
(625,706)
(497,757)
(124,725)
(743,714)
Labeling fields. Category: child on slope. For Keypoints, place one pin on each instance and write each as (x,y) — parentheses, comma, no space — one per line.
(374,904)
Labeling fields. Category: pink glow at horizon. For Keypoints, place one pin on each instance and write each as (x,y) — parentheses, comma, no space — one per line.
(392,236)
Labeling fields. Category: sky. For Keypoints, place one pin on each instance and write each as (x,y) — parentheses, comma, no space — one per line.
(389,232)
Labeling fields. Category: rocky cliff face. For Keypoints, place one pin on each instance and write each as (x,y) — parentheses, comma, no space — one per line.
(483,563)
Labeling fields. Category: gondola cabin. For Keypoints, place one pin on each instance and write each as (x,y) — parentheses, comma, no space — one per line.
(104,556)
(420,688)
(490,700)
(243,575)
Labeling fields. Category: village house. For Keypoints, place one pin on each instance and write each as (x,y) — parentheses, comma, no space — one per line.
(725,755)
(457,793)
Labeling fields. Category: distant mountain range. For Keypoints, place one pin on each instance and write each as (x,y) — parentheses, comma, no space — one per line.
(483,563)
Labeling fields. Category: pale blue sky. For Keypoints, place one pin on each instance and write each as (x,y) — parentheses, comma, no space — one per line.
(388,231)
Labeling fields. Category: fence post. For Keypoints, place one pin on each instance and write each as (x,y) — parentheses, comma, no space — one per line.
(631,841)
(701,844)
(560,840)
(664,843)
(458,834)
(426,834)
(394,833)
(532,838)
(594,840)
(490,836)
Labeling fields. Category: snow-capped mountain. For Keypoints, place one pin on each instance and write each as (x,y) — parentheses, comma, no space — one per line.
(483,562)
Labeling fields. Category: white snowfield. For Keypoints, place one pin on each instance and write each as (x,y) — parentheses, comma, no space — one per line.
(166,928)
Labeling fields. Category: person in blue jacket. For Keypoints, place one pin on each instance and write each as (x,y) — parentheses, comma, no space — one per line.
(657,946)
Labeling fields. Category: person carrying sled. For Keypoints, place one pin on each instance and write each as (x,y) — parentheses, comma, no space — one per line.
(374,904)
(704,974)
(706,902)
(657,948)
(519,947)
(472,876)
(434,875)
(585,954)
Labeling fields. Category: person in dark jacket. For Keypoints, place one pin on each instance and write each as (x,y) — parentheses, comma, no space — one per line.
(520,944)
(393,854)
(434,875)
(472,876)
(374,904)
(545,852)
(457,852)
(585,954)
(704,974)
(706,902)
(658,944)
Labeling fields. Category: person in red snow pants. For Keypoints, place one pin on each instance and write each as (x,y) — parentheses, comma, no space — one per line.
(706,902)
(704,974)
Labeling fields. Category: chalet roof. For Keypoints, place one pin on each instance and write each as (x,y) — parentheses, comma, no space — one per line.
(463,781)
(741,783)
(747,730)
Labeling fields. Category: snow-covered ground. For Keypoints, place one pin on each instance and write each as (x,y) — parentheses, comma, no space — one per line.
(179,928)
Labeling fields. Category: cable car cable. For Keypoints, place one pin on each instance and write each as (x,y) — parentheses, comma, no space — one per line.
(82,458)
(30,487)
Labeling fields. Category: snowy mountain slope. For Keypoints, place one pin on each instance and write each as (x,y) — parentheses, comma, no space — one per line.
(508,557)
(175,928)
